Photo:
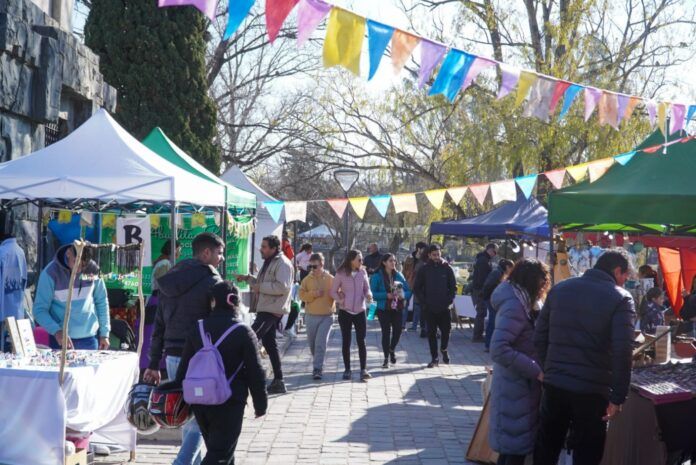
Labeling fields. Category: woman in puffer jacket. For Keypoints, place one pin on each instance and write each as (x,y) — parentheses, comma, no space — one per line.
(517,375)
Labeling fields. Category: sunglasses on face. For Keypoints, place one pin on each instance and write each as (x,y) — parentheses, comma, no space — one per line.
(312,267)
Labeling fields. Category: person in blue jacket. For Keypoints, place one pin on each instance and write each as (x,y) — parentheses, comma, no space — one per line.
(391,292)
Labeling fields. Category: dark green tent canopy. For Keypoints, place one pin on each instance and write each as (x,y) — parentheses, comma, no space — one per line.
(159,143)
(653,192)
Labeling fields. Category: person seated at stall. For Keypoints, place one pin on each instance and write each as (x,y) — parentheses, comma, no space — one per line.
(89,324)
(654,311)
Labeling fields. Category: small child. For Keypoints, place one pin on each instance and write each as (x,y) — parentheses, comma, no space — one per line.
(653,316)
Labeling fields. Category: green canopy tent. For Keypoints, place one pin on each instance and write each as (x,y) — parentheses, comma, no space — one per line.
(654,193)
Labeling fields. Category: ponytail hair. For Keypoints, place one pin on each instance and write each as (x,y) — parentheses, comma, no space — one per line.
(226,296)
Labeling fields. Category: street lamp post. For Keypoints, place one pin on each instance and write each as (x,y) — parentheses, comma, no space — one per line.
(346,178)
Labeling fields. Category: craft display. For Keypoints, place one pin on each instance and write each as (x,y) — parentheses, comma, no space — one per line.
(52,358)
(670,382)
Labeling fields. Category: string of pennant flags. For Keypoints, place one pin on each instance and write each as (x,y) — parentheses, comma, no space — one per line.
(458,69)
(500,191)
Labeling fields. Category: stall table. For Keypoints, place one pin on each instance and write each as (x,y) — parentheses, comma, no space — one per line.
(36,411)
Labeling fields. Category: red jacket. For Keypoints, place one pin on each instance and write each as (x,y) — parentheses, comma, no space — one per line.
(287,249)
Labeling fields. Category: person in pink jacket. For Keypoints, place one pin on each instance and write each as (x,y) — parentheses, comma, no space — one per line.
(351,290)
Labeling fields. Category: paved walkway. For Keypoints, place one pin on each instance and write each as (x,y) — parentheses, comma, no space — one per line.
(408,414)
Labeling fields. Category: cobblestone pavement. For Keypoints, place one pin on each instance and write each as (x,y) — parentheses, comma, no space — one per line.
(407,414)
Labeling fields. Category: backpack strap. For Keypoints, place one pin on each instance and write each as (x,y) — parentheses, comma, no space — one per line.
(235,373)
(227,333)
(205,337)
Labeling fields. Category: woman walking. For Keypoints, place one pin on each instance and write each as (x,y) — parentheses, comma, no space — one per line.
(351,290)
(391,292)
(517,375)
(319,308)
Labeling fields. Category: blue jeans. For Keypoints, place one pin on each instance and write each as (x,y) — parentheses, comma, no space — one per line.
(85,343)
(490,326)
(416,316)
(191,438)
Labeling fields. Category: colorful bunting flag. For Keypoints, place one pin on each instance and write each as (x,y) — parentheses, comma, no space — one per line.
(540,99)
(526,184)
(378,37)
(556,177)
(678,115)
(662,116)
(405,203)
(592,97)
(577,172)
(558,91)
(480,192)
(309,14)
(526,80)
(599,167)
(690,114)
(274,208)
(359,205)
(207,7)
(155,221)
(632,104)
(198,220)
(503,190)
(436,197)
(338,206)
(651,106)
(623,105)
(451,76)
(457,194)
(108,220)
(296,211)
(431,54)
(238,10)
(402,47)
(344,37)
(609,110)
(381,203)
(276,13)
(508,81)
(477,66)
(568,98)
(624,158)
(64,216)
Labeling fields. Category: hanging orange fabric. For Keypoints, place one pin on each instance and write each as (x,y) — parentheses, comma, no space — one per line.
(678,268)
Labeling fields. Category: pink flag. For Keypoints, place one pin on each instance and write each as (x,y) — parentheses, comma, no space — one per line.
(651,106)
(509,81)
(678,117)
(477,66)
(309,14)
(276,12)
(431,54)
(480,191)
(338,206)
(608,109)
(561,87)
(592,97)
(556,177)
(207,7)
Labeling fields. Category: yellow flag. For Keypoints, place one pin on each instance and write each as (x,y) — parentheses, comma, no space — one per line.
(436,197)
(198,220)
(154,221)
(523,86)
(108,220)
(64,216)
(344,38)
(359,204)
(662,116)
(577,172)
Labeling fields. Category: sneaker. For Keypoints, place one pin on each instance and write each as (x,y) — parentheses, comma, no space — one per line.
(434,363)
(316,374)
(392,357)
(277,386)
(386,363)
(423,333)
(347,375)
(365,375)
(445,357)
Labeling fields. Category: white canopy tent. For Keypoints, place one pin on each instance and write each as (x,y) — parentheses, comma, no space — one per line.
(322,232)
(265,226)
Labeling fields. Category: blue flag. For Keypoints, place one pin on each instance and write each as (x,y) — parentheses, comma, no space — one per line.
(570,94)
(381,203)
(274,208)
(239,9)
(452,73)
(624,158)
(526,184)
(378,35)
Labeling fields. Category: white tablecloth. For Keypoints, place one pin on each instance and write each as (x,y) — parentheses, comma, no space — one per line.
(34,411)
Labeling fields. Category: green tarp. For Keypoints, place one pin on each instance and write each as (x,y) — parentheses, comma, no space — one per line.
(653,192)
(159,143)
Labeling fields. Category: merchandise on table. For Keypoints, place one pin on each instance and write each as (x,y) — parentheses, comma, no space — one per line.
(51,358)
(671,382)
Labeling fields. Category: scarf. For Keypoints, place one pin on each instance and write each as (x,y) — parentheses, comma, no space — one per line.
(524,299)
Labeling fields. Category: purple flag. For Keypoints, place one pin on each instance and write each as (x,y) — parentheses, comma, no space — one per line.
(476,67)
(652,111)
(623,103)
(510,77)
(309,14)
(678,115)
(431,55)
(207,7)
(592,97)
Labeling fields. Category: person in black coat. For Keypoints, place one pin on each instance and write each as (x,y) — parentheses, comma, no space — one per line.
(435,287)
(221,424)
(583,339)
(482,268)
(493,280)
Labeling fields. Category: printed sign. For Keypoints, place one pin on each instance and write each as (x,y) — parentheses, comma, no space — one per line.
(135,231)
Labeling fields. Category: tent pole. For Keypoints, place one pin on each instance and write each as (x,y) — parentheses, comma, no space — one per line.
(223,228)
(174,231)
(141,302)
(552,259)
(294,243)
(253,252)
(39,239)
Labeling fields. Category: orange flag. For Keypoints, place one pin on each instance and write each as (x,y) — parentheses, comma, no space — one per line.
(402,45)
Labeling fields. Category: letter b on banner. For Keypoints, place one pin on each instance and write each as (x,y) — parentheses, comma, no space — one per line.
(135,231)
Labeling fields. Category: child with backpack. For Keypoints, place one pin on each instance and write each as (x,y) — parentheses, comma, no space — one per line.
(220,366)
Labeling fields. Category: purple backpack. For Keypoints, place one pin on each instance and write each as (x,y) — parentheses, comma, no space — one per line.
(205,382)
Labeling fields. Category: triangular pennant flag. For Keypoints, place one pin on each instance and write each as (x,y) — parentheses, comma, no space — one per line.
(691,113)
(402,47)
(632,104)
(556,177)
(431,54)
(64,216)
(207,7)
(592,97)
(451,76)
(527,184)
(381,203)
(480,192)
(577,172)
(624,158)
(651,106)
(378,37)
(662,116)
(623,104)
(678,115)
(653,149)
(359,205)
(108,220)
(309,14)
(568,99)
(503,190)
(598,168)
(457,193)
(155,221)
(558,91)
(405,203)
(526,80)
(540,99)
(477,66)
(296,211)
(508,81)
(238,10)
(609,109)
(198,220)
(275,209)
(344,38)
(338,206)
(436,197)
(276,13)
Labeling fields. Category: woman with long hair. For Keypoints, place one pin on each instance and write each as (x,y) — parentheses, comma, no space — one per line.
(351,290)
(391,292)
(517,375)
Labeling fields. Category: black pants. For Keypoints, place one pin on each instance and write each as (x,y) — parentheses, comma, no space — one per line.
(582,414)
(346,321)
(220,426)
(504,459)
(481,311)
(265,326)
(434,321)
(292,318)
(390,321)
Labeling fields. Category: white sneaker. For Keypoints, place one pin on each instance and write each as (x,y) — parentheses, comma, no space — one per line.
(100,449)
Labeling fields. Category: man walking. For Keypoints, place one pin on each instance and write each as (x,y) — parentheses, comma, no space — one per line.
(583,338)
(372,259)
(436,287)
(411,267)
(184,299)
(482,268)
(270,300)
